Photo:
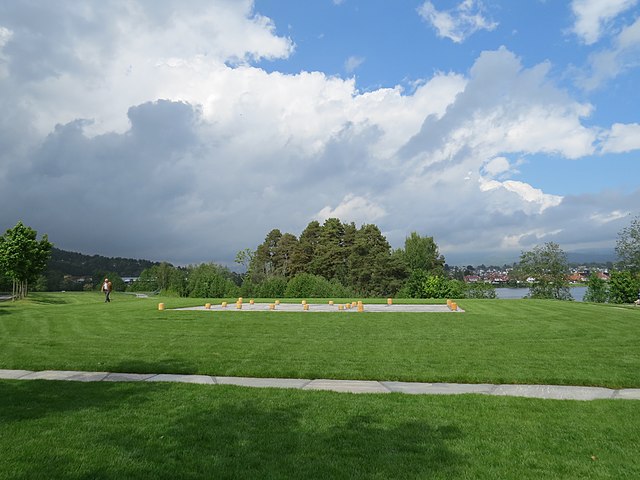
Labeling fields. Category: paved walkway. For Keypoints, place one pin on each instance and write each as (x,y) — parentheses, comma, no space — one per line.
(324,307)
(556,392)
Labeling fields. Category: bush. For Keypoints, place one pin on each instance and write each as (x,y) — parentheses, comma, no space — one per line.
(208,280)
(480,290)
(440,287)
(272,287)
(623,287)
(305,285)
(597,290)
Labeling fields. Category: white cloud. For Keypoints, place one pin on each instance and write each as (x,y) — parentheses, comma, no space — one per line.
(353,208)
(609,63)
(352,63)
(622,138)
(497,166)
(459,23)
(206,152)
(592,16)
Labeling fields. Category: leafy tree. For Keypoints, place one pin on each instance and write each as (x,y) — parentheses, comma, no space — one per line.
(208,280)
(244,258)
(624,287)
(421,253)
(628,246)
(440,287)
(597,289)
(23,257)
(547,266)
(272,287)
(306,285)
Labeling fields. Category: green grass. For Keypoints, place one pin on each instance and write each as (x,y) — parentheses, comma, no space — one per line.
(172,431)
(495,341)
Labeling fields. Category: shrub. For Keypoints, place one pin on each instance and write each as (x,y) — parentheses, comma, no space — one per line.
(597,290)
(272,287)
(623,287)
(480,290)
(306,285)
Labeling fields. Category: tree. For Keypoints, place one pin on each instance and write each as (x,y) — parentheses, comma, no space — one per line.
(597,289)
(628,246)
(547,267)
(421,253)
(623,287)
(22,257)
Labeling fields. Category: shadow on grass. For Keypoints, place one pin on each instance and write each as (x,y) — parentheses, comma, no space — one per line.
(169,432)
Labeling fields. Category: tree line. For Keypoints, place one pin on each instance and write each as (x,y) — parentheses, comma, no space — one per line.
(333,259)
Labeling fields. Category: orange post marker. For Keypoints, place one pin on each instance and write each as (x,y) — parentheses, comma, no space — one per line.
(389,301)
(305,306)
(161,306)
(207,306)
(454,306)
(223,304)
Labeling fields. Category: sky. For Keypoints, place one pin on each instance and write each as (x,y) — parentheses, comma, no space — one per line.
(186,131)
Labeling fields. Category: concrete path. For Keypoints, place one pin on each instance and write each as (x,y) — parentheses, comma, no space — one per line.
(324,307)
(556,392)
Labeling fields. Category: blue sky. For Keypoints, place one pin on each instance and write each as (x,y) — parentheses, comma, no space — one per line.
(185,131)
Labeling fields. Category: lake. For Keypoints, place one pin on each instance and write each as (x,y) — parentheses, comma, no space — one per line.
(510,293)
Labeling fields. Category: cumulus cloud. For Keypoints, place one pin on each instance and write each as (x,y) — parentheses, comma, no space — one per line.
(353,208)
(593,16)
(458,23)
(117,145)
(622,138)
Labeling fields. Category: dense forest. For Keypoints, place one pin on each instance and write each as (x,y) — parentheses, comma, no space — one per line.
(333,259)
(64,269)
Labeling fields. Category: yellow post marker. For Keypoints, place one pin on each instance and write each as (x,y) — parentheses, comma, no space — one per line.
(360,307)
(207,306)
(454,306)
(251,302)
(239,305)
(277,302)
(449,302)
(354,304)
(305,306)
(304,302)
(330,302)
(272,306)
(389,301)
(340,307)
(223,304)
(161,306)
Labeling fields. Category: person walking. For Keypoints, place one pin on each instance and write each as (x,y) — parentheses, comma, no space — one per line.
(106,288)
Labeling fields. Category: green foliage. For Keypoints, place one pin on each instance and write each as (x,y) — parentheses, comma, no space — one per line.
(22,257)
(597,290)
(479,290)
(272,287)
(359,258)
(548,267)
(306,285)
(628,246)
(624,287)
(421,253)
(440,287)
(73,263)
(117,283)
(208,280)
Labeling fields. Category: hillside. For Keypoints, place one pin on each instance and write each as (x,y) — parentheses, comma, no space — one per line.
(73,263)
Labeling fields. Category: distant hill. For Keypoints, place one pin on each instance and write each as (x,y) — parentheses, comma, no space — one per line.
(584,257)
(73,263)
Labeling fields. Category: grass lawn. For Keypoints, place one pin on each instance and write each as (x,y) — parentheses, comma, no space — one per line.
(495,341)
(173,431)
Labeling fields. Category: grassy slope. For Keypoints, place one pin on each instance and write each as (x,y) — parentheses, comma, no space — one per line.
(521,341)
(166,431)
